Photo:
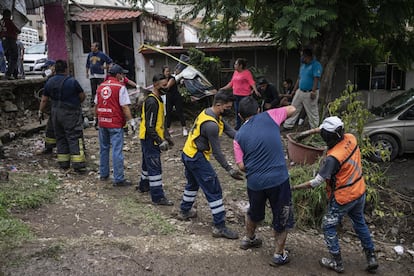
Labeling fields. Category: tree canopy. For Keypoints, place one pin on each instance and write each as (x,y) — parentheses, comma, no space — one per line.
(370,30)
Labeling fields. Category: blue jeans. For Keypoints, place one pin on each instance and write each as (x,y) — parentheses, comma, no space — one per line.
(114,137)
(200,174)
(336,212)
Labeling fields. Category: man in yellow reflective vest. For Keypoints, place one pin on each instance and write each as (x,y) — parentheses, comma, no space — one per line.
(151,134)
(202,141)
(346,190)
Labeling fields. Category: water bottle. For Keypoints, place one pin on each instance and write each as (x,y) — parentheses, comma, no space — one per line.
(376,85)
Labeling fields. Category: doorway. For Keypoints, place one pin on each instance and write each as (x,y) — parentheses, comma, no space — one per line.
(121,47)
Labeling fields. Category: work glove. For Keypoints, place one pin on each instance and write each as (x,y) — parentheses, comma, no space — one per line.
(133,125)
(164,145)
(236,174)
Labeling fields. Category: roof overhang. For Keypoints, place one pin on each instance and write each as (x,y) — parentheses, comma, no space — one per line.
(99,15)
(209,47)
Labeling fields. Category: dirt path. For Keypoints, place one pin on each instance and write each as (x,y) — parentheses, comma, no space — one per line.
(95,229)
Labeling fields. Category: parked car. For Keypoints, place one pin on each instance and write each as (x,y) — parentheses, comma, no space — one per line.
(34,57)
(393,128)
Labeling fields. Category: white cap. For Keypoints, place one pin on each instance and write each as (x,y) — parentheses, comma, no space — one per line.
(331,124)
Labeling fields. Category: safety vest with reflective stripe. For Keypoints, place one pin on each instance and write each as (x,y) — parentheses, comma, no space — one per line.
(159,126)
(348,183)
(190,147)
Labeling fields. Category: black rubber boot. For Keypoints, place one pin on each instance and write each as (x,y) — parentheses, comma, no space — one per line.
(372,263)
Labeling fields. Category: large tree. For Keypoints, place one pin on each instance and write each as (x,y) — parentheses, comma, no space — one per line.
(368,29)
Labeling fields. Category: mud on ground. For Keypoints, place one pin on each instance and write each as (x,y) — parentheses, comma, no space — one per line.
(93,228)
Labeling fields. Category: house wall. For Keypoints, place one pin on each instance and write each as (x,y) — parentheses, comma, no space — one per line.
(80,57)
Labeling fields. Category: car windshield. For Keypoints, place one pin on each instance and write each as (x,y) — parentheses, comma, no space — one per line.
(395,105)
(36,49)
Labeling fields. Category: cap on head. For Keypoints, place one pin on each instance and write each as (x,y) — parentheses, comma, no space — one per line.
(262,81)
(331,124)
(116,69)
(50,62)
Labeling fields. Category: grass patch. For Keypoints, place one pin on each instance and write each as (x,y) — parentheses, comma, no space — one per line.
(149,219)
(22,191)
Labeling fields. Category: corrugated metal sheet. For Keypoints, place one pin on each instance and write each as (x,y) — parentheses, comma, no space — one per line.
(210,47)
(94,15)
(33,4)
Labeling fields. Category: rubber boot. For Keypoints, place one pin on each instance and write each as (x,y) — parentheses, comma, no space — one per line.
(334,263)
(372,263)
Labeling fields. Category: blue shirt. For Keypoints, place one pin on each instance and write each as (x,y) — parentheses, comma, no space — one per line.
(263,155)
(307,72)
(69,94)
(96,61)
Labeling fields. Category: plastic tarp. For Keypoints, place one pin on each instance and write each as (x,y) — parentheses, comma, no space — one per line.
(198,86)
(18,11)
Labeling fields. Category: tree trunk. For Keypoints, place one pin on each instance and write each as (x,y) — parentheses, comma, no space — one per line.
(68,36)
(331,44)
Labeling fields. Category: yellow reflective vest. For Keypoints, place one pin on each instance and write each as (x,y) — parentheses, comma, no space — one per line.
(159,126)
(190,147)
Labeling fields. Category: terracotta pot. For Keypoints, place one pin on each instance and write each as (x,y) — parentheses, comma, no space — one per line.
(302,154)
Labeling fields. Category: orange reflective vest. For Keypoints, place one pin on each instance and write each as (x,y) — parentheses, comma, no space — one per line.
(348,183)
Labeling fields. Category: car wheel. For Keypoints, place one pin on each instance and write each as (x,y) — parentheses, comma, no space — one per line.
(383,142)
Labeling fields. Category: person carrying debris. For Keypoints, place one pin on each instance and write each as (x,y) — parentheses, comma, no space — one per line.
(153,141)
(346,190)
(174,99)
(203,140)
(258,151)
(66,95)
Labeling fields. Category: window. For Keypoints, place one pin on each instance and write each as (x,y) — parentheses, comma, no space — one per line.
(90,33)
(384,76)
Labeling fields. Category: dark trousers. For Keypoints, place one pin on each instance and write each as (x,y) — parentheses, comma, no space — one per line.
(200,174)
(95,82)
(151,174)
(176,100)
(236,110)
(50,139)
(11,54)
(69,137)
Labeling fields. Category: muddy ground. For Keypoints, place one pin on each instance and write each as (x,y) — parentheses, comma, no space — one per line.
(93,228)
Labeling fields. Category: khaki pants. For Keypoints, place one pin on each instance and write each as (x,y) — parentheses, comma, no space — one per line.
(303,100)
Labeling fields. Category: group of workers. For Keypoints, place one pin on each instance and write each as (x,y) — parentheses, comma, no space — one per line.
(258,152)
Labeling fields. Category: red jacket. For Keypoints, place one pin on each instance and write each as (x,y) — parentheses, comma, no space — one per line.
(109,111)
